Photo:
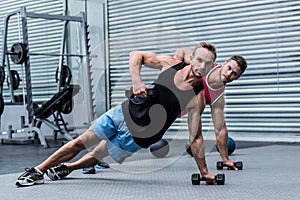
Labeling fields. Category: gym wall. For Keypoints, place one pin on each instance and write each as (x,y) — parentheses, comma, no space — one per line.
(265,100)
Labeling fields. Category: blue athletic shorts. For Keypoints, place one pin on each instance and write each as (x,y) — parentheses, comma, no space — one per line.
(112,127)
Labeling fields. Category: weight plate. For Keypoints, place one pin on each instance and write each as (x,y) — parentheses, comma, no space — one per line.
(1,105)
(66,75)
(2,75)
(18,53)
(15,79)
(67,107)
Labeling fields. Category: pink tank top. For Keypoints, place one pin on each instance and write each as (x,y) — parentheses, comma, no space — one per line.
(211,95)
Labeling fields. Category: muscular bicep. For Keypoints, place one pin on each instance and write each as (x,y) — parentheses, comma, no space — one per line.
(139,58)
(151,60)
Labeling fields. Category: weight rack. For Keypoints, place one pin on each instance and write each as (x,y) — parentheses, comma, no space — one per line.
(85,56)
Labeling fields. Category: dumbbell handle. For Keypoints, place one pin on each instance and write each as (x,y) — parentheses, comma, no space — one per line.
(219,178)
(205,179)
(151,91)
(238,164)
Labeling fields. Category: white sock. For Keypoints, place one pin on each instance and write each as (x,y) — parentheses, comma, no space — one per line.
(38,170)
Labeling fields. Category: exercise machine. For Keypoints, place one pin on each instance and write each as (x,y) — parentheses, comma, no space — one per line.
(35,116)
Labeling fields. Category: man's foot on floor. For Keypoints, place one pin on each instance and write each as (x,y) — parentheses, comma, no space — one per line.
(102,165)
(90,170)
(58,172)
(30,177)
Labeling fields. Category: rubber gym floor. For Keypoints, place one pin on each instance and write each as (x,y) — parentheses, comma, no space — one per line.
(271,171)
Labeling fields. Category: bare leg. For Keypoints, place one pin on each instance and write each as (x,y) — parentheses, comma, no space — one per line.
(90,159)
(70,150)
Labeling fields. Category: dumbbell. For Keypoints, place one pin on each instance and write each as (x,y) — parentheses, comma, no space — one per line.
(151,91)
(238,165)
(196,178)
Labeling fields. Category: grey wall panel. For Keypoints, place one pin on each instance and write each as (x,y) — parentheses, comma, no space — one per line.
(265,99)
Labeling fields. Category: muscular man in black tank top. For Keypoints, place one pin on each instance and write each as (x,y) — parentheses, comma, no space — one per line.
(148,118)
(179,88)
(139,121)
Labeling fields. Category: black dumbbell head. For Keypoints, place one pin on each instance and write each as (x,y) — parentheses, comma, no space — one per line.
(195,179)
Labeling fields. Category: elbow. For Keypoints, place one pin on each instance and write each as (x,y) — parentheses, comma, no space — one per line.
(179,55)
(133,53)
(135,58)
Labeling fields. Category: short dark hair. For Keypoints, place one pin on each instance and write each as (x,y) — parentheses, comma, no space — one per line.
(209,46)
(241,61)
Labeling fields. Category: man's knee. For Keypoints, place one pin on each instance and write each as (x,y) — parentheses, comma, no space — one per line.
(100,151)
(86,140)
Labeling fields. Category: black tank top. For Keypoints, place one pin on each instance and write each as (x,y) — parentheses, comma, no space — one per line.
(148,118)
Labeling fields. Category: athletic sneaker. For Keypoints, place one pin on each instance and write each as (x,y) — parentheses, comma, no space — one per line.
(102,165)
(58,172)
(30,177)
(90,170)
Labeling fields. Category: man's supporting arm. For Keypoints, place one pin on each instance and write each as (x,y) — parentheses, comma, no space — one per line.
(217,113)
(195,109)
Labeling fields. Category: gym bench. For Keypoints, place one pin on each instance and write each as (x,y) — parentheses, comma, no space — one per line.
(53,107)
